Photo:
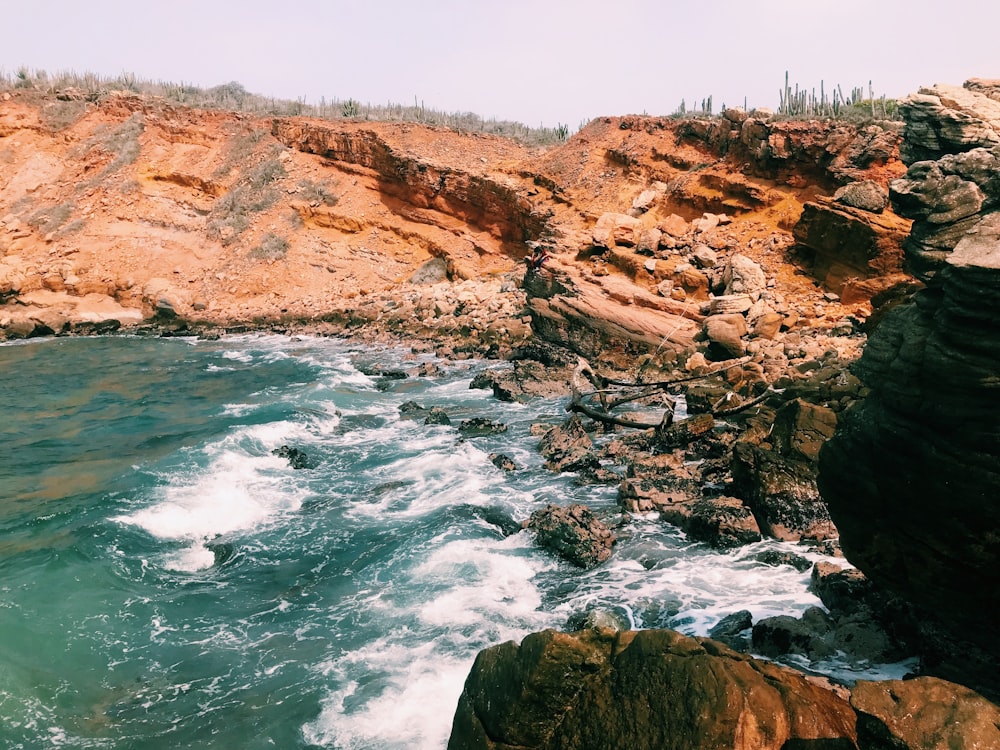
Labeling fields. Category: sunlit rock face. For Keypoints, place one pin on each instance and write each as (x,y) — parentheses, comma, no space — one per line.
(912,475)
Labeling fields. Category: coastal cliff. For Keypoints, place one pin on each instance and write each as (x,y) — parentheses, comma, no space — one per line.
(912,475)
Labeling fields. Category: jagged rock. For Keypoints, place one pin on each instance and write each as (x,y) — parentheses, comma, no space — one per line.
(704,256)
(649,241)
(480,426)
(640,690)
(503,462)
(945,199)
(849,243)
(296,458)
(568,447)
(437,415)
(801,428)
(574,533)
(924,713)
(646,494)
(644,201)
(776,558)
(782,494)
(722,522)
(731,630)
(867,195)
(411,410)
(912,475)
(944,119)
(744,276)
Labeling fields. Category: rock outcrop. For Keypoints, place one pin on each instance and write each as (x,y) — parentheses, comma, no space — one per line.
(646,689)
(912,475)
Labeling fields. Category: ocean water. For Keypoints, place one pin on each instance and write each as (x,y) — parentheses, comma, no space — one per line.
(167,582)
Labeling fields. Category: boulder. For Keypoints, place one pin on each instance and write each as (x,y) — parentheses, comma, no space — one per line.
(924,713)
(433,271)
(744,276)
(726,333)
(721,522)
(480,426)
(867,195)
(574,533)
(568,447)
(643,691)
(782,494)
(616,229)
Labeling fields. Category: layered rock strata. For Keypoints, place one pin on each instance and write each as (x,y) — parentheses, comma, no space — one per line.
(912,475)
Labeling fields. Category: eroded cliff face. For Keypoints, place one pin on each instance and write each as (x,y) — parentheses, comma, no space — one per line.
(912,475)
(131,210)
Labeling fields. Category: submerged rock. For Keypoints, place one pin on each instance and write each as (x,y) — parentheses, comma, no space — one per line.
(296,458)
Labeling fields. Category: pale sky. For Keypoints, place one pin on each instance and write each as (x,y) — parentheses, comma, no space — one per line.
(541,62)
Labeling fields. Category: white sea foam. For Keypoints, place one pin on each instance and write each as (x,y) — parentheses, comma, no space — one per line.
(236,492)
(401,691)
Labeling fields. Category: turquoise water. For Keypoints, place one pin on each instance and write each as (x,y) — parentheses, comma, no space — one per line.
(167,582)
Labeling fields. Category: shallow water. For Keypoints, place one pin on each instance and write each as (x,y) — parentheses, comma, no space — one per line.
(167,582)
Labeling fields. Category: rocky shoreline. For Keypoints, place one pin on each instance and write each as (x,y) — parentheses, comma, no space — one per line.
(709,290)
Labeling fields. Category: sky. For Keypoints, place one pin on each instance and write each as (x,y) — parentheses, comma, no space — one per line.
(540,62)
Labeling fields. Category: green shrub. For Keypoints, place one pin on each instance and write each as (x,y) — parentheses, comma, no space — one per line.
(272,246)
(318,192)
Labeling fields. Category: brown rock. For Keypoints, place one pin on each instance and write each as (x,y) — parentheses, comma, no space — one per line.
(641,690)
(574,533)
(923,714)
(568,447)
(674,225)
(726,332)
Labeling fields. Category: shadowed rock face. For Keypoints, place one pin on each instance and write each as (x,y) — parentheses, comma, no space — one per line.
(912,476)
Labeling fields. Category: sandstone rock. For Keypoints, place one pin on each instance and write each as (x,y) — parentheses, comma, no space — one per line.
(848,243)
(768,325)
(911,474)
(433,271)
(730,303)
(945,119)
(640,690)
(704,256)
(674,226)
(726,332)
(616,229)
(574,533)
(645,200)
(867,195)
(801,428)
(693,282)
(744,276)
(649,241)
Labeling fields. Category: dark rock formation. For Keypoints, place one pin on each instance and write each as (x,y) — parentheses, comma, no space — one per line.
(574,533)
(480,426)
(297,459)
(437,415)
(641,690)
(912,476)
(778,479)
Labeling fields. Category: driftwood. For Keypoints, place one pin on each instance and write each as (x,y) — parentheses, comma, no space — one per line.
(611,397)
